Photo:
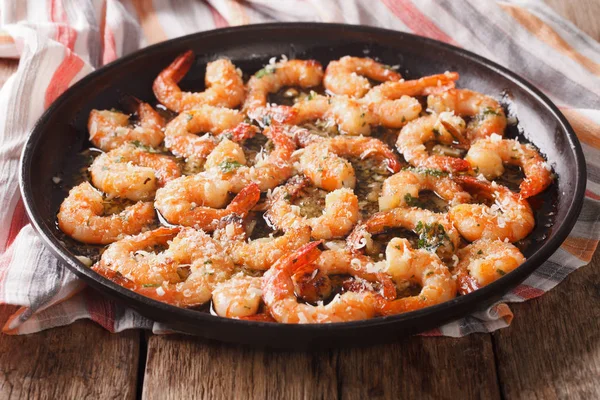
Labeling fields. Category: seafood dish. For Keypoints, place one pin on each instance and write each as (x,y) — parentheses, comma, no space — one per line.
(305,193)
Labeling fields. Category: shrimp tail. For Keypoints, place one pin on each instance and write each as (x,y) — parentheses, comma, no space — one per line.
(243,131)
(177,69)
(303,256)
(245,200)
(453,164)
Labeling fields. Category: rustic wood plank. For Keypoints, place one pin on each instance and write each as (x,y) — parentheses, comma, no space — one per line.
(415,367)
(420,368)
(583,13)
(79,361)
(181,367)
(552,349)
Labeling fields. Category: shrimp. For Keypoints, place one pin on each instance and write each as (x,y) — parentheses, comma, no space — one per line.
(489,155)
(281,301)
(267,173)
(348,75)
(417,87)
(195,200)
(488,115)
(224,85)
(132,172)
(412,138)
(238,297)
(403,188)
(183,275)
(509,218)
(270,79)
(392,104)
(261,253)
(419,266)
(436,232)
(81,216)
(339,216)
(323,163)
(312,281)
(181,133)
(111,129)
(484,261)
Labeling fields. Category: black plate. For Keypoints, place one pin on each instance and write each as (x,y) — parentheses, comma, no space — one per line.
(61,132)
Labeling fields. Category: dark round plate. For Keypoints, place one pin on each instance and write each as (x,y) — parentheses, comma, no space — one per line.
(61,132)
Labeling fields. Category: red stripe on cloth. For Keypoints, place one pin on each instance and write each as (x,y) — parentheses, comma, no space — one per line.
(592,195)
(433,332)
(101,310)
(218,19)
(62,77)
(17,222)
(110,49)
(64,33)
(527,292)
(416,20)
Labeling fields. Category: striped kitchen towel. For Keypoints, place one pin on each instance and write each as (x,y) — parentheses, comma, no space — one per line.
(59,41)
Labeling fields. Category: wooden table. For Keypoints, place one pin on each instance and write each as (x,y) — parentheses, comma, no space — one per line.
(552,350)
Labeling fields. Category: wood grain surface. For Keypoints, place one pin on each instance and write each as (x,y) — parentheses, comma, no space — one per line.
(78,361)
(551,351)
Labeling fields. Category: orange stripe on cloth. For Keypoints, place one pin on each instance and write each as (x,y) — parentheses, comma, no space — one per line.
(410,15)
(5,38)
(62,77)
(581,248)
(546,34)
(592,195)
(504,312)
(149,21)
(587,130)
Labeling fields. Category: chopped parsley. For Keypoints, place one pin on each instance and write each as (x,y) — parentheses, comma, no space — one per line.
(229,166)
(412,201)
(490,111)
(151,285)
(500,272)
(269,69)
(427,171)
(431,236)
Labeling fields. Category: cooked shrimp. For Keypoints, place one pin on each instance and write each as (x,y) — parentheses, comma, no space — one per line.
(132,172)
(281,301)
(509,218)
(489,155)
(181,133)
(436,232)
(392,104)
(488,115)
(339,216)
(312,281)
(82,217)
(238,297)
(183,275)
(417,87)
(348,75)
(412,139)
(270,79)
(351,116)
(111,129)
(261,253)
(402,189)
(194,200)
(224,85)
(419,266)
(323,160)
(267,173)
(484,261)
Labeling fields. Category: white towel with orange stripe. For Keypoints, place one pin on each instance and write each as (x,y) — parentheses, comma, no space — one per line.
(58,42)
